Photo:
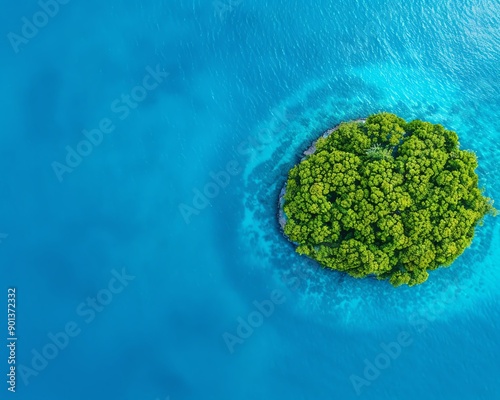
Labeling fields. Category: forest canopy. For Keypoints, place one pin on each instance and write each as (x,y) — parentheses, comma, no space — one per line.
(385,198)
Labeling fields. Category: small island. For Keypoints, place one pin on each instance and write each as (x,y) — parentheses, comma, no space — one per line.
(384,198)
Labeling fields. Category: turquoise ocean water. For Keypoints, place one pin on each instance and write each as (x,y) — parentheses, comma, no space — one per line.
(130,286)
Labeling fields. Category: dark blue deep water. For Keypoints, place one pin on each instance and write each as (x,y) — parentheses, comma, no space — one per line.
(130,285)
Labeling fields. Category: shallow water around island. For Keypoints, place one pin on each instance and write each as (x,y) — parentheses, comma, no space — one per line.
(452,319)
(249,87)
(280,149)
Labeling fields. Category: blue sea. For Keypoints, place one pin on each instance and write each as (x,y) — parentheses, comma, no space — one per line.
(142,151)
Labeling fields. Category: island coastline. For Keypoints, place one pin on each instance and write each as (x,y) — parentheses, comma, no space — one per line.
(282,219)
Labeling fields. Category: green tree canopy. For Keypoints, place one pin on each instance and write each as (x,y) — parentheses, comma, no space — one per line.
(385,198)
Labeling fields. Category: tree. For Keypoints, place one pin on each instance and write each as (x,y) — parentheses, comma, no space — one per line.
(385,198)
